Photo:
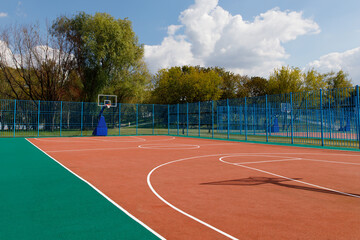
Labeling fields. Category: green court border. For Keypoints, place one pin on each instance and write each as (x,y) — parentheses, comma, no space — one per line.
(41,199)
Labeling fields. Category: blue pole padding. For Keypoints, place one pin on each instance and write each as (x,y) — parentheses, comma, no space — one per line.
(61,113)
(38,120)
(321,119)
(168,119)
(14,117)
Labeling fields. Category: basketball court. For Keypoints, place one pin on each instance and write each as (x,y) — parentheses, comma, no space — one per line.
(191,188)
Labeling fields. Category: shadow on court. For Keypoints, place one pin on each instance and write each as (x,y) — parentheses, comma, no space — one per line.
(254,181)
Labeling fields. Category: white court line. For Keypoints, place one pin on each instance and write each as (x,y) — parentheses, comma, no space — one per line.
(103,194)
(277,175)
(169,146)
(336,162)
(91,149)
(271,161)
(177,209)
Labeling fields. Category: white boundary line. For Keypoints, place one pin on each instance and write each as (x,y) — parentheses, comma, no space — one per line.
(92,149)
(177,209)
(176,146)
(104,195)
(277,175)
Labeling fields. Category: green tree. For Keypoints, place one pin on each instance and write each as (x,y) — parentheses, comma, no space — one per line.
(338,80)
(232,85)
(185,84)
(314,80)
(106,50)
(256,86)
(285,80)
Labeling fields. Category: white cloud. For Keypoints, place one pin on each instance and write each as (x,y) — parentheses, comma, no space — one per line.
(3,14)
(211,36)
(348,61)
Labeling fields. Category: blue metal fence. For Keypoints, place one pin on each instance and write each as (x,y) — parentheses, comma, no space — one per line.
(323,118)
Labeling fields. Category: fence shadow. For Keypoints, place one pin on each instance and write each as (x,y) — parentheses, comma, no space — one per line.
(254,181)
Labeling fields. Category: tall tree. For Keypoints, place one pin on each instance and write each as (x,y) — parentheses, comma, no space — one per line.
(285,80)
(105,48)
(35,66)
(313,80)
(338,80)
(186,84)
(256,86)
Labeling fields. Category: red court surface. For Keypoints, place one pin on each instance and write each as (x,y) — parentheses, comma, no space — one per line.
(188,188)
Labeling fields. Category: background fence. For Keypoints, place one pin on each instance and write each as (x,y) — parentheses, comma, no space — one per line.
(324,118)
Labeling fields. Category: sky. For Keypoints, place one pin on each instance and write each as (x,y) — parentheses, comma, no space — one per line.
(249,37)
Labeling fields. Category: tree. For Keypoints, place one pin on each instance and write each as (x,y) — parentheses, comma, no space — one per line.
(338,80)
(105,49)
(256,86)
(285,80)
(314,80)
(34,66)
(185,84)
(232,85)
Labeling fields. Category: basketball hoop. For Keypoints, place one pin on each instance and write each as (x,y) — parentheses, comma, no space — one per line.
(108,105)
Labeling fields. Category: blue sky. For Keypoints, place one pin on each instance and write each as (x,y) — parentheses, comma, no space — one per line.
(320,34)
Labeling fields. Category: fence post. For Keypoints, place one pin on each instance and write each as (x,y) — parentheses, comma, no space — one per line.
(329,110)
(82,113)
(153,108)
(228,119)
(187,119)
(168,119)
(253,112)
(266,118)
(137,118)
(61,112)
(199,119)
(177,118)
(321,119)
(119,119)
(14,117)
(245,116)
(358,114)
(212,118)
(38,120)
(306,120)
(292,118)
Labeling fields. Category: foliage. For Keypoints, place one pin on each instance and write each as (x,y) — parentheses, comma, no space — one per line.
(314,80)
(107,53)
(186,84)
(338,80)
(256,86)
(285,80)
